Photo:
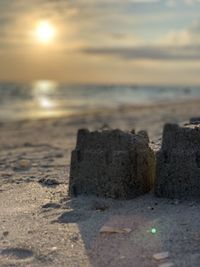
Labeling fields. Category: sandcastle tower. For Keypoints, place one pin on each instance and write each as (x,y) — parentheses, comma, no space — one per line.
(112,163)
(178,162)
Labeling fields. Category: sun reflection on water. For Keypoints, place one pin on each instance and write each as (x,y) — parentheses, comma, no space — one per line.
(42,92)
(46,103)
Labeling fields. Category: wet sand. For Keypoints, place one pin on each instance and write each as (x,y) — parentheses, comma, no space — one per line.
(41,226)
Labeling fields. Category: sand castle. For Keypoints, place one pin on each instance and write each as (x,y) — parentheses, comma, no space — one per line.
(178,162)
(121,165)
(112,163)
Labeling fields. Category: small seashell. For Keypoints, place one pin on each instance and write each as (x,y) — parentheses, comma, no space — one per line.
(114,230)
(24,164)
(167,264)
(161,256)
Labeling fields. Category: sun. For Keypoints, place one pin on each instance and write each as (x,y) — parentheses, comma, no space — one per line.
(45,32)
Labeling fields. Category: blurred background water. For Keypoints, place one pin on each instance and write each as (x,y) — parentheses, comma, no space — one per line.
(45,99)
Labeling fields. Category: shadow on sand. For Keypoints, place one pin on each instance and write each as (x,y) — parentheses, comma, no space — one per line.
(156,225)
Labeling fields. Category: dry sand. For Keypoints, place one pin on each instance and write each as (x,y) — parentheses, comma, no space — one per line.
(41,226)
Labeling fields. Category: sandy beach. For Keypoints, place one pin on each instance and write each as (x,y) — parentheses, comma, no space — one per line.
(42,226)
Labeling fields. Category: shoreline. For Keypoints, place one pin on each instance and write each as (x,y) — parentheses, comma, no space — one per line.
(105,111)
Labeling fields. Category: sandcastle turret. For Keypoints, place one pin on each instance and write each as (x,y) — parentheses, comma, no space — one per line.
(178,162)
(111,163)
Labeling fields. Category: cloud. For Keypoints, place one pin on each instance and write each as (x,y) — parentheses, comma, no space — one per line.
(183,45)
(185,37)
(192,2)
(149,53)
(174,3)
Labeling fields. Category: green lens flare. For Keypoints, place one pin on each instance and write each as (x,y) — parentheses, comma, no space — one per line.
(153,230)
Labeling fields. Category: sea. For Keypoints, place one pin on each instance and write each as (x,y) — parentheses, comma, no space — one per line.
(48,99)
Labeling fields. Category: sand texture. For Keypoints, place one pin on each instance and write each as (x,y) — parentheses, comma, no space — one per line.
(41,226)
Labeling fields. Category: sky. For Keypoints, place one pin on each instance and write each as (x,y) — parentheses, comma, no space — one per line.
(102,41)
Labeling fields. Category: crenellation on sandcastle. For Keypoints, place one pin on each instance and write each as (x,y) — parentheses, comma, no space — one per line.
(178,162)
(112,163)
